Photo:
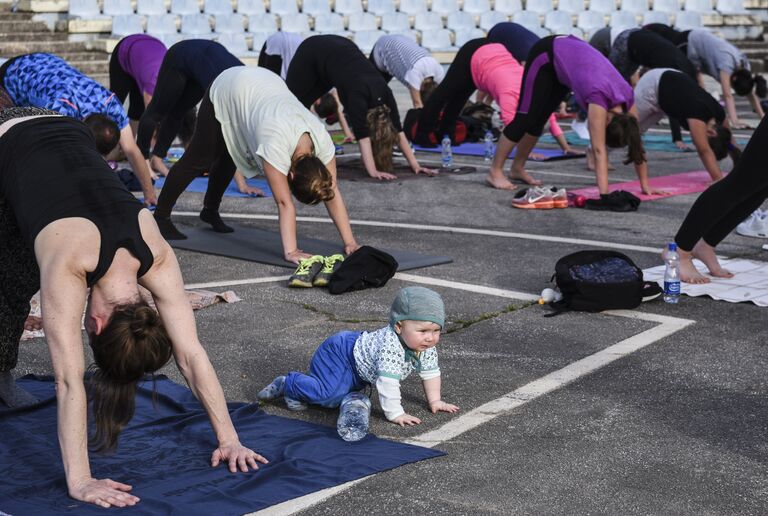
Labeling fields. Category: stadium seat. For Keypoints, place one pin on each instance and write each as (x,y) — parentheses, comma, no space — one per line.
(656,17)
(559,22)
(590,21)
(381,7)
(461,36)
(218,7)
(602,6)
(162,24)
(509,7)
(264,22)
(315,7)
(699,6)
(413,7)
(394,22)
(410,34)
(84,9)
(198,25)
(259,38)
(490,18)
(445,7)
(571,6)
(127,24)
(150,7)
(281,7)
(437,40)
(235,44)
(687,20)
(527,19)
(365,39)
(297,22)
(233,23)
(427,21)
(363,21)
(117,7)
(638,7)
(348,6)
(184,7)
(476,6)
(330,23)
(731,7)
(539,6)
(666,6)
(249,7)
(460,20)
(623,19)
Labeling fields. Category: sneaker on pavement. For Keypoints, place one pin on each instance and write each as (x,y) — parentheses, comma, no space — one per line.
(756,225)
(559,196)
(330,265)
(306,271)
(294,405)
(533,197)
(273,390)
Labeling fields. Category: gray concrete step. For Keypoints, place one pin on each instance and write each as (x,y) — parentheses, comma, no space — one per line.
(13,48)
(33,36)
(12,26)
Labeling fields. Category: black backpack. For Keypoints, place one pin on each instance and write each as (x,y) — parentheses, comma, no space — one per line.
(365,268)
(594,281)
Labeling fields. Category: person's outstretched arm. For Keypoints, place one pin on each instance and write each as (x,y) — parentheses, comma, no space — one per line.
(730,103)
(698,130)
(337,210)
(286,213)
(165,283)
(432,393)
(139,165)
(597,120)
(755,103)
(244,188)
(405,147)
(63,295)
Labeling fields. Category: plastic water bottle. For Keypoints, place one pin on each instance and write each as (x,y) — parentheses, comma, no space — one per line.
(447,153)
(354,412)
(488,141)
(672,275)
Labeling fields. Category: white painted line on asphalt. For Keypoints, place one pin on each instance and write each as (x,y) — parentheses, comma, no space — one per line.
(232,283)
(445,229)
(504,404)
(479,289)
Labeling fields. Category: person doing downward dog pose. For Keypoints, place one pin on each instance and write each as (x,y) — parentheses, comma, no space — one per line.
(188,68)
(133,68)
(327,61)
(725,63)
(496,72)
(278,51)
(47,81)
(67,223)
(634,48)
(721,207)
(401,57)
(517,39)
(555,66)
(664,91)
(351,360)
(248,119)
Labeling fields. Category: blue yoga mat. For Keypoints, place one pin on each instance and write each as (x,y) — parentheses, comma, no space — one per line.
(653,142)
(200,185)
(478,149)
(164,453)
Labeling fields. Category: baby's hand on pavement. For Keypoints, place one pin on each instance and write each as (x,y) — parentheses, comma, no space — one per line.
(406,420)
(441,406)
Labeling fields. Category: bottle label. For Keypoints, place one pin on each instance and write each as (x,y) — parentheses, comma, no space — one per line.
(672,288)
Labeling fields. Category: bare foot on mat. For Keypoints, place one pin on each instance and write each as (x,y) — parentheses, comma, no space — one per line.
(706,253)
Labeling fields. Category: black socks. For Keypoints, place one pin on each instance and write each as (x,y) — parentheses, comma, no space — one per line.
(167,229)
(11,394)
(213,218)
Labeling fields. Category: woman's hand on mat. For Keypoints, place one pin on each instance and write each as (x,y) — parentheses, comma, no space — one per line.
(238,457)
(252,190)
(653,191)
(406,420)
(104,493)
(348,139)
(33,323)
(426,171)
(572,152)
(683,146)
(157,164)
(382,176)
(296,256)
(351,248)
(150,200)
(441,406)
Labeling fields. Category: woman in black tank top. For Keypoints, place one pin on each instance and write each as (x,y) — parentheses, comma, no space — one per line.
(62,207)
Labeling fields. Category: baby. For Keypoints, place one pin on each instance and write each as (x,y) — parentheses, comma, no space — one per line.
(350,360)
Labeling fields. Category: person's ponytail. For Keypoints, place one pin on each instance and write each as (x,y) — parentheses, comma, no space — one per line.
(624,131)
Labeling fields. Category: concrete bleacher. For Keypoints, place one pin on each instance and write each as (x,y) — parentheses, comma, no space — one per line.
(440,25)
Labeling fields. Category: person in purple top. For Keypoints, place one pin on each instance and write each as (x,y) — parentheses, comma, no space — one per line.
(133,69)
(557,65)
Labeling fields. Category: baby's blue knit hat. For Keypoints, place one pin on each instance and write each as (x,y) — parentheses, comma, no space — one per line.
(417,304)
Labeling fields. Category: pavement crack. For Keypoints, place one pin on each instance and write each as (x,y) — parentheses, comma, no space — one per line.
(330,316)
(462,324)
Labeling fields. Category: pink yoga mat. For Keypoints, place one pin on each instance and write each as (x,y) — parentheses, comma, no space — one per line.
(675,184)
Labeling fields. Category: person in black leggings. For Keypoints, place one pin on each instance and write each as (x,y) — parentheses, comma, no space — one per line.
(634,48)
(188,69)
(448,98)
(328,61)
(722,207)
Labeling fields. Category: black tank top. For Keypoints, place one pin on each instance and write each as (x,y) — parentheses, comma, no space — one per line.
(50,170)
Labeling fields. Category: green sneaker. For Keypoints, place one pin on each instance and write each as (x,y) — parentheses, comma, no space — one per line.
(306,271)
(332,263)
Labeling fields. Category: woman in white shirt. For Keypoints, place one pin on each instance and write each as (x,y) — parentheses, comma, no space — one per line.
(250,121)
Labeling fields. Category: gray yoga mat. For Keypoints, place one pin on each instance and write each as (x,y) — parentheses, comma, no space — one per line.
(259,245)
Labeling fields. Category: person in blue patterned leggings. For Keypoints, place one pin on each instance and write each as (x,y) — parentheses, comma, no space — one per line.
(47,81)
(351,360)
